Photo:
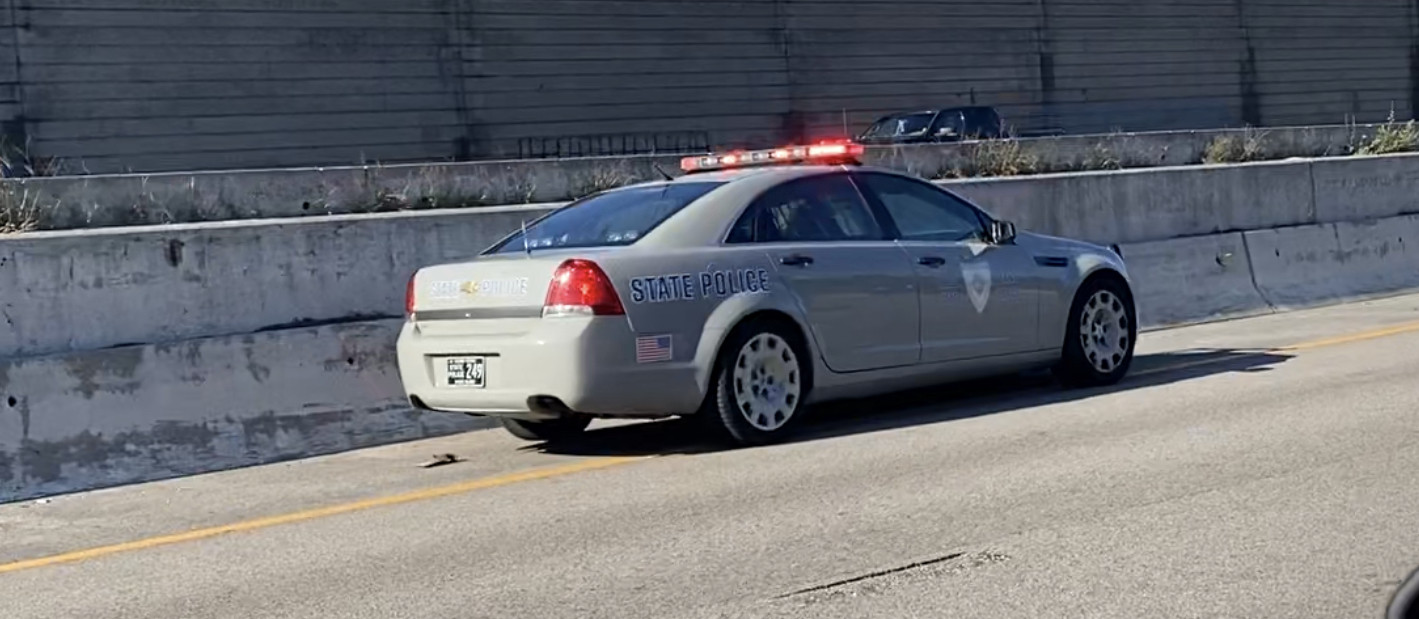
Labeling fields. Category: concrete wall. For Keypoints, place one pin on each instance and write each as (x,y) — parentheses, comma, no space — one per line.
(96,289)
(200,280)
(103,417)
(149,85)
(143,353)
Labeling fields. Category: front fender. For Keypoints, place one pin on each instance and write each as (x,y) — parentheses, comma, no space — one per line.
(1054,315)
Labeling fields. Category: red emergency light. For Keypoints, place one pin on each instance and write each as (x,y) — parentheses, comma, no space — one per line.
(843,151)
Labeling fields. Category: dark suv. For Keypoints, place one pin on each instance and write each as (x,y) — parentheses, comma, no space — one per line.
(941,125)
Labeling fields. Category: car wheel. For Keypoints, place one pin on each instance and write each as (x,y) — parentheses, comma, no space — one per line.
(1102,331)
(551,430)
(759,384)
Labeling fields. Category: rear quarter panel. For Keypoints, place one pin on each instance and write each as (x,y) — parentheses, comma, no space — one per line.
(696,296)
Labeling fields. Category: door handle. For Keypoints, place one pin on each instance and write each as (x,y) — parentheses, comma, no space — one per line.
(796,260)
(931,261)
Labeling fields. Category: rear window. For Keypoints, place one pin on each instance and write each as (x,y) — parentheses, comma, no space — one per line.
(618,217)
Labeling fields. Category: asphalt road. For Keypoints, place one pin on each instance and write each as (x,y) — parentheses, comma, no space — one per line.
(1242,482)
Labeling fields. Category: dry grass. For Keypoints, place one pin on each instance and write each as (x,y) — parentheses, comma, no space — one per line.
(19,160)
(994,158)
(1250,146)
(1392,137)
(20,211)
(599,179)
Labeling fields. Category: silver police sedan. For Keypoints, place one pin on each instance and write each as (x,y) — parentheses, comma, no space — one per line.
(748,288)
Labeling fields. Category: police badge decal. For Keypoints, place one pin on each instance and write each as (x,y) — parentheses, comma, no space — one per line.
(977,279)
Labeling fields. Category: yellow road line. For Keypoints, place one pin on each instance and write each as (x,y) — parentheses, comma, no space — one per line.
(320,512)
(535,474)
(1356,337)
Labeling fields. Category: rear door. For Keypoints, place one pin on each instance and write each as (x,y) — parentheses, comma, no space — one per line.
(977,299)
(856,287)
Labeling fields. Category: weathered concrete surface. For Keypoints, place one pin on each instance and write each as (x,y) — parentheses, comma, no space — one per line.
(89,289)
(1133,206)
(1192,279)
(176,197)
(99,418)
(182,197)
(1365,187)
(1306,265)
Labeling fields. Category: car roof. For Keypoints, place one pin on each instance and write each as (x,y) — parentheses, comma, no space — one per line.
(773,174)
(705,222)
(779,172)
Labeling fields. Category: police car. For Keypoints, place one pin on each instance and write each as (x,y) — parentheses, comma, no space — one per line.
(747,288)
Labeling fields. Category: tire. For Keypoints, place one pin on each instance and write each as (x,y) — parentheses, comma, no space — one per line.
(547,431)
(762,356)
(1102,355)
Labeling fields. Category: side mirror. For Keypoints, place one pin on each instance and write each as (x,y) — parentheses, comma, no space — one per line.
(1002,232)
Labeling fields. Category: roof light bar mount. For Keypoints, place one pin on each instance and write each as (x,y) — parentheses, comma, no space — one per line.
(844,152)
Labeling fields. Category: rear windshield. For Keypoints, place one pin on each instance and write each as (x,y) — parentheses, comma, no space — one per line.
(618,217)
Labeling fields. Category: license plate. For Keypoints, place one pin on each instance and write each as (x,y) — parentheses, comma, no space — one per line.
(466,372)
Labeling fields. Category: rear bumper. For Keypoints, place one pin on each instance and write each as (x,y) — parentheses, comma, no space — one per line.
(555,365)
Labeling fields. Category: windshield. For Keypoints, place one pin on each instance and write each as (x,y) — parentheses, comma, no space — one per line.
(902,124)
(618,217)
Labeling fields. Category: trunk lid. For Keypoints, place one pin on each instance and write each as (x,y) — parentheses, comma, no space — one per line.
(500,293)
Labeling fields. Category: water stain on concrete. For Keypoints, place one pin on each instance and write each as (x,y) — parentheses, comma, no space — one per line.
(95,371)
(21,406)
(45,461)
(258,371)
(269,426)
(7,468)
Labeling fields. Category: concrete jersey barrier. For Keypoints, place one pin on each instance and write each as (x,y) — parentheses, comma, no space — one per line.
(142,354)
(89,289)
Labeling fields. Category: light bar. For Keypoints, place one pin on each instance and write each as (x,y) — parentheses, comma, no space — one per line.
(821,152)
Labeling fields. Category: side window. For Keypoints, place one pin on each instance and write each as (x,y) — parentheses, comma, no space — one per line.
(820,208)
(922,212)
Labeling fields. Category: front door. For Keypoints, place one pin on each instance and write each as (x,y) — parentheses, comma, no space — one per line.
(977,299)
(856,287)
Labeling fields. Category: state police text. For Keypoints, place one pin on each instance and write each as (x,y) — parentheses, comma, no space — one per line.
(705,284)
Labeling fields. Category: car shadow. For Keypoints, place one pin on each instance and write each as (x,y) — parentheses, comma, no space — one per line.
(938,404)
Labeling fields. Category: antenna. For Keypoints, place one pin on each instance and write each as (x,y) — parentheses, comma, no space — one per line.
(662,171)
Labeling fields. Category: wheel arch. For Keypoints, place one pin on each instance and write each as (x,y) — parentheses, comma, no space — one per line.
(1097,273)
(1104,271)
(724,324)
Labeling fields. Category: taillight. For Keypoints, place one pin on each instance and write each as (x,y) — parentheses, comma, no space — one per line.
(409,296)
(580,287)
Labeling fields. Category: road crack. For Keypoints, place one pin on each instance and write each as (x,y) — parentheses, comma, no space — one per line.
(877,581)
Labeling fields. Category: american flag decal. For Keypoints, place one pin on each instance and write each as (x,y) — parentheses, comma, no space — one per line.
(652,348)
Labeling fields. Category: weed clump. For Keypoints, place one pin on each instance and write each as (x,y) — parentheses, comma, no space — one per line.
(1250,146)
(1392,137)
(20,211)
(994,158)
